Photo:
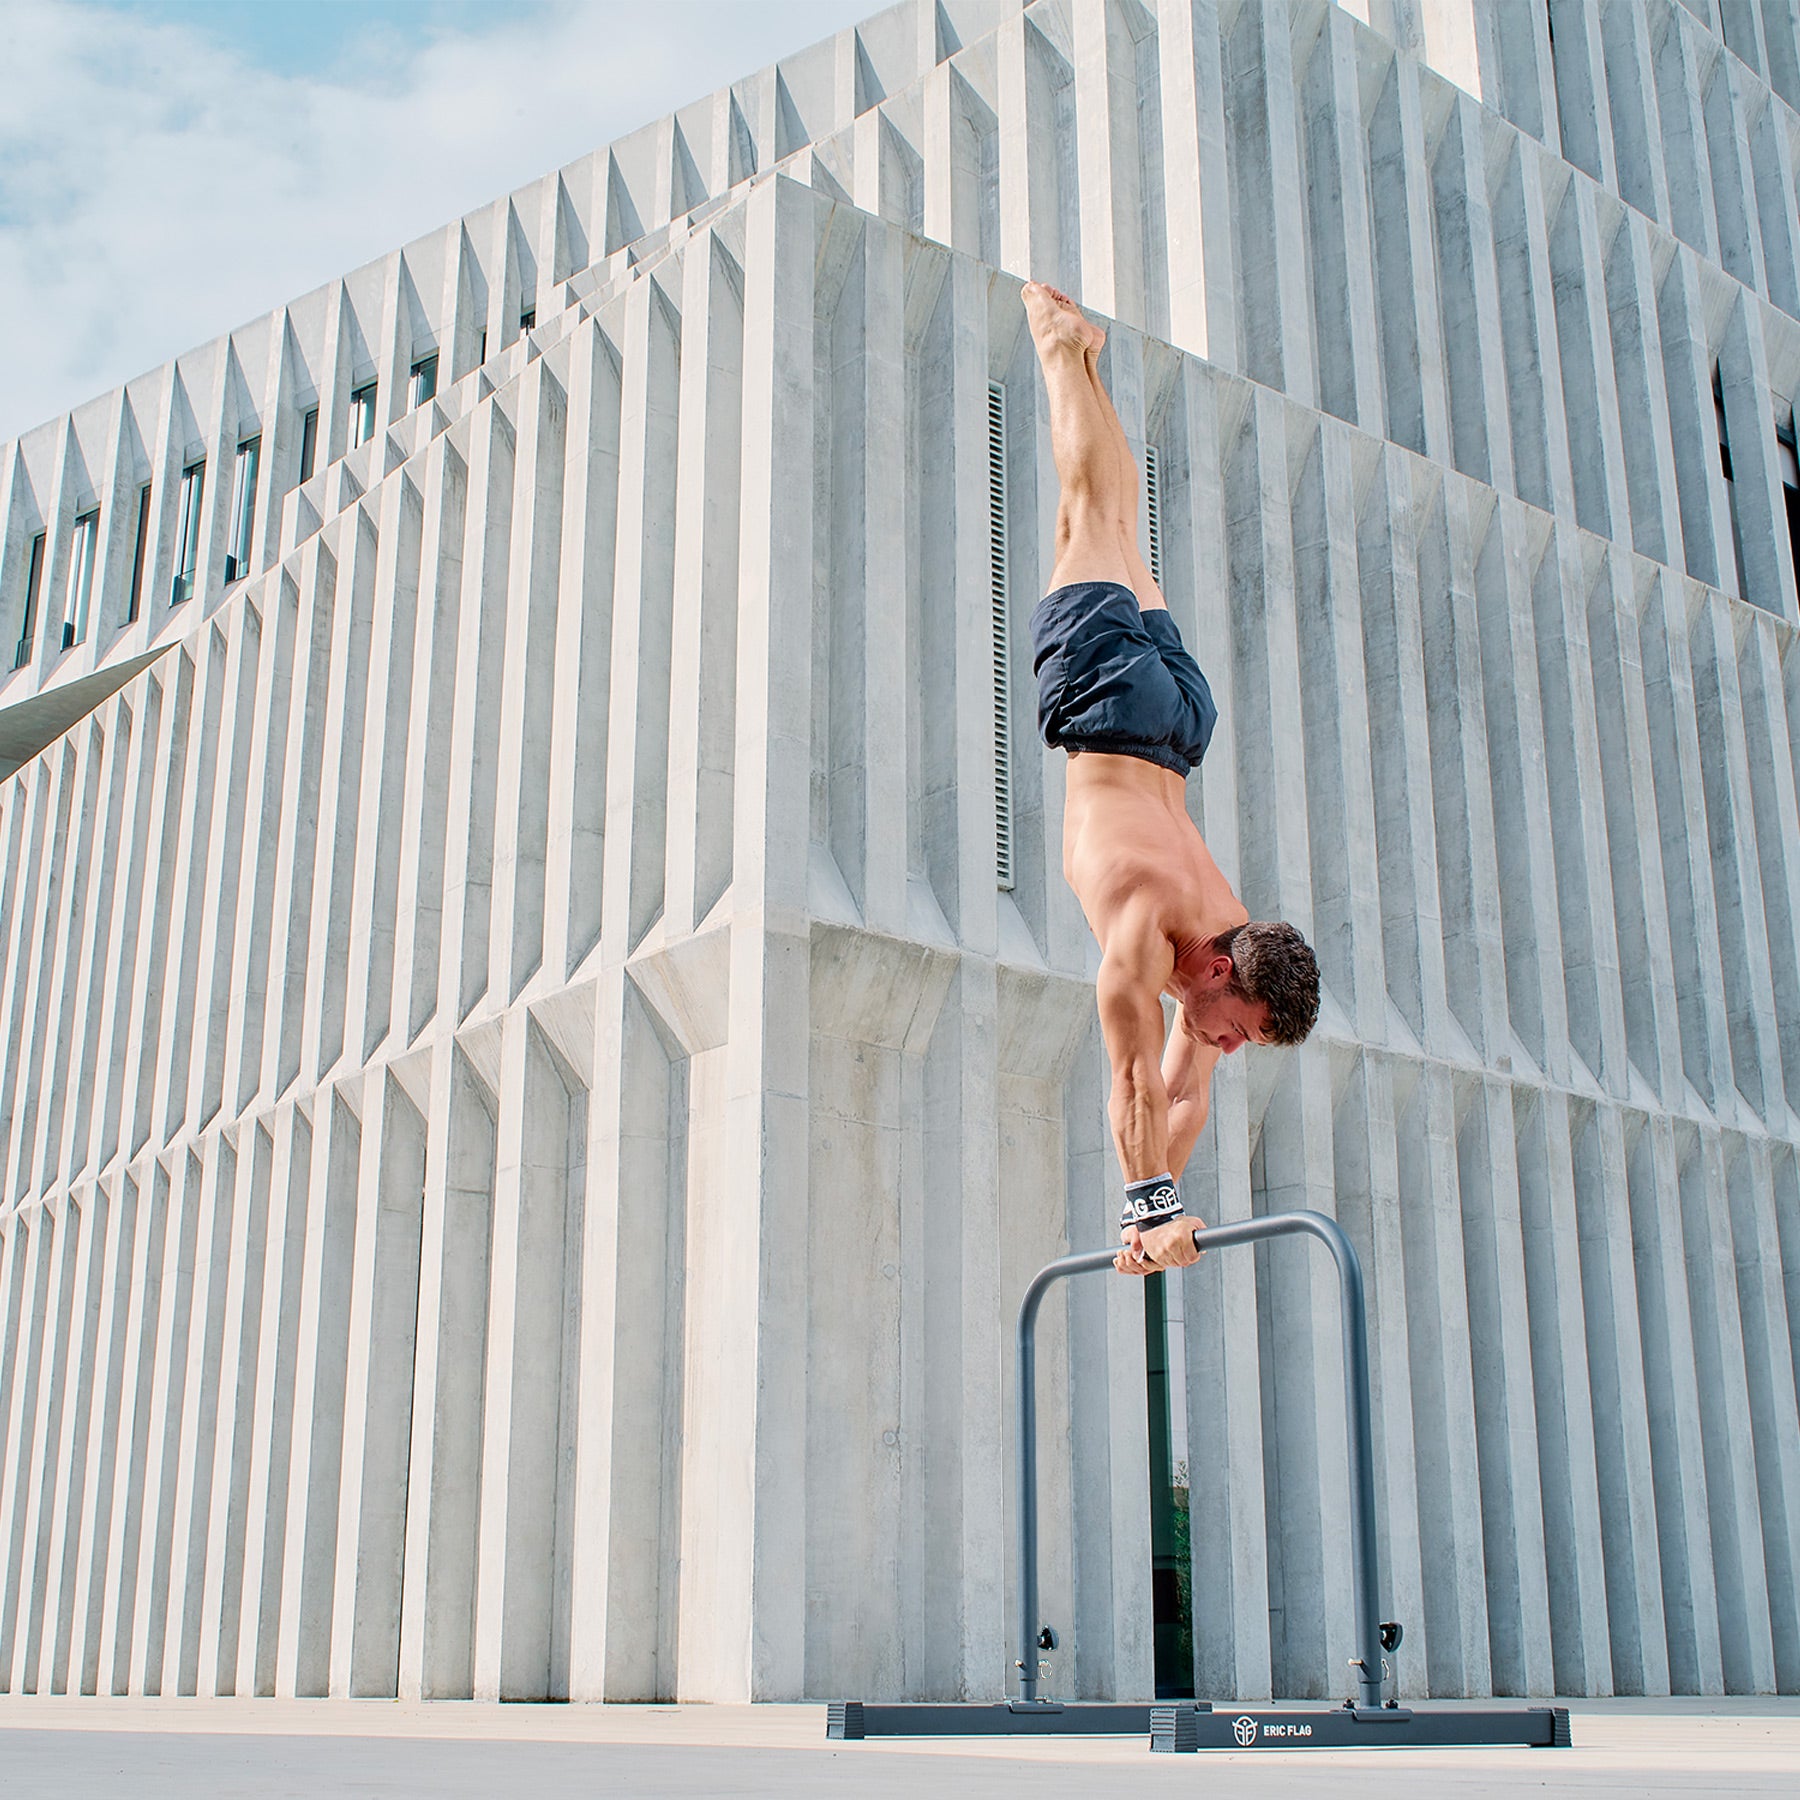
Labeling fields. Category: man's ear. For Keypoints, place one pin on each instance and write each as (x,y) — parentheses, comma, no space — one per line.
(1220,971)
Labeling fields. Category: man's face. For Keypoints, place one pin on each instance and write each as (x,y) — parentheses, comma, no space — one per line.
(1226,1019)
(1236,1022)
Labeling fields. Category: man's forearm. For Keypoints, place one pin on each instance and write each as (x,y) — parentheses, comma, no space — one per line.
(1139,1114)
(1187,1119)
(1187,1069)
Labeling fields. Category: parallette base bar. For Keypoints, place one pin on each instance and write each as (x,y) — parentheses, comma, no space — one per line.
(1185,1727)
(966,1718)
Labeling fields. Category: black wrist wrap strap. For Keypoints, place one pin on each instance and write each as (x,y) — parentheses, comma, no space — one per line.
(1152,1202)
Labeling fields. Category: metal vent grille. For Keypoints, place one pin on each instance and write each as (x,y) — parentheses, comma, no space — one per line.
(1153,502)
(1002,661)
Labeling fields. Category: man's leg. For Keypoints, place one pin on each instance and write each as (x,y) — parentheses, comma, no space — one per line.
(1089,546)
(1143,583)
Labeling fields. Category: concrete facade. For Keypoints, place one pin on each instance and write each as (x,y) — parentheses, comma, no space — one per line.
(541,1031)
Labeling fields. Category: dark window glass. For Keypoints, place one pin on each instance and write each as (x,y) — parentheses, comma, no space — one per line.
(527,319)
(187,529)
(309,443)
(82,551)
(1790,488)
(1737,536)
(1791,496)
(424,380)
(243,509)
(137,554)
(23,654)
(1719,420)
(1171,1559)
(362,415)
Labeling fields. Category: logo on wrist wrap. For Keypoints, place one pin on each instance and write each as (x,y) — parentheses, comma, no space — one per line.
(1152,1202)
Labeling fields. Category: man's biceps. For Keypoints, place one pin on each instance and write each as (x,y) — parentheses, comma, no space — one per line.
(1140,960)
(1126,1016)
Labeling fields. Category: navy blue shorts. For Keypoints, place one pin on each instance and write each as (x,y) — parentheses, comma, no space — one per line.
(1115,679)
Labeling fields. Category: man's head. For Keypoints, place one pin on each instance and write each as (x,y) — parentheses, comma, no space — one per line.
(1261,985)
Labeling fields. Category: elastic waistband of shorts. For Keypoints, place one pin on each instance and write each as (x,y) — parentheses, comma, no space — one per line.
(1077,587)
(1104,744)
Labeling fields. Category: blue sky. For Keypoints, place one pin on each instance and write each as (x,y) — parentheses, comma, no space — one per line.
(322,37)
(172,168)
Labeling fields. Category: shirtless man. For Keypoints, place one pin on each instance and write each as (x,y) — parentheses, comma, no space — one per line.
(1120,694)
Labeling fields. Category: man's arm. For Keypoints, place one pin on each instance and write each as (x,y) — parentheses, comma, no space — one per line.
(1132,974)
(1187,1073)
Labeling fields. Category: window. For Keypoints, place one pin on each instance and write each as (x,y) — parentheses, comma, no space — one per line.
(243,509)
(81,578)
(1737,540)
(362,415)
(23,654)
(187,533)
(1171,1561)
(1002,637)
(527,319)
(424,380)
(1153,506)
(137,554)
(1789,454)
(482,357)
(1719,418)
(309,443)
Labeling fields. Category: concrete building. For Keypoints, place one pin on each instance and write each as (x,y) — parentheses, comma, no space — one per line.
(541,1030)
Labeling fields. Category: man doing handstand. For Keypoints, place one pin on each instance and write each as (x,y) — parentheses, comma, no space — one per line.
(1117,691)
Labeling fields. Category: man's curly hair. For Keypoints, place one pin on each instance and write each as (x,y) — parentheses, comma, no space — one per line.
(1272,963)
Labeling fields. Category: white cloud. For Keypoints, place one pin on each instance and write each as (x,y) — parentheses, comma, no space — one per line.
(156,188)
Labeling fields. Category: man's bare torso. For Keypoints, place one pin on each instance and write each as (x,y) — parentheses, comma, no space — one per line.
(1136,861)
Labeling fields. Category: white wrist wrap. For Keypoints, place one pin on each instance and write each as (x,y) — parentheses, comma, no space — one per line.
(1148,1203)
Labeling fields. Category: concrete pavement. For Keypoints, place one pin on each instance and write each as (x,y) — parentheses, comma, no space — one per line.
(151,1749)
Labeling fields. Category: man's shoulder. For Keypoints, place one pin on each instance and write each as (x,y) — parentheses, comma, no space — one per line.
(1138,916)
(1137,948)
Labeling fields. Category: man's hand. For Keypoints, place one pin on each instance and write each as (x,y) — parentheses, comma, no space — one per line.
(1169,1246)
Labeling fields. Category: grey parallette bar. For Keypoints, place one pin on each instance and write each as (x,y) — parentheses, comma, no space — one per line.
(1363,1550)
(1362,1722)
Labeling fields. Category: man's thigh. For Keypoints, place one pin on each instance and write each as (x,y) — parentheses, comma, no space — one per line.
(1141,581)
(1089,554)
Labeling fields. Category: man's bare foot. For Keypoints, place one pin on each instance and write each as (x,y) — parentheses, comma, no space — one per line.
(1056,319)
